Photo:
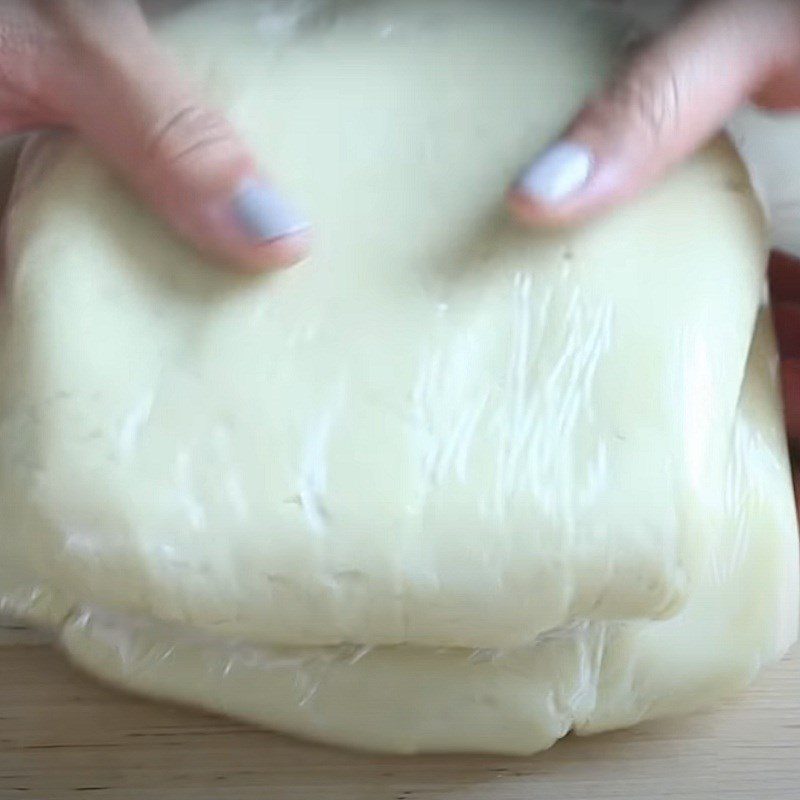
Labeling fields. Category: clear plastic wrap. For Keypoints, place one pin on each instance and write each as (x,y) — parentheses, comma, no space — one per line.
(450,485)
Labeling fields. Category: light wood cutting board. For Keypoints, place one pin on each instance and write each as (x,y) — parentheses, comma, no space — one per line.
(64,736)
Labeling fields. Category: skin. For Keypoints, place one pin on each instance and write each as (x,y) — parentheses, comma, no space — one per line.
(93,67)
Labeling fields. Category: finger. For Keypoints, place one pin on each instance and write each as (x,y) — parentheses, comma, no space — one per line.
(672,97)
(128,99)
(25,56)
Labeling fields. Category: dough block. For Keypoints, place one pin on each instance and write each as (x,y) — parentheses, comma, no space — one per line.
(448,485)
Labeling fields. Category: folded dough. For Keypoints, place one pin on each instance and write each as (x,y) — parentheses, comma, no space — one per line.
(538,451)
(590,677)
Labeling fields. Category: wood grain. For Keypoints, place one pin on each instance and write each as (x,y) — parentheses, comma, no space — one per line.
(64,736)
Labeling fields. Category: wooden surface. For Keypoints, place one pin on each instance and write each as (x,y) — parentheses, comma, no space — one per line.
(64,736)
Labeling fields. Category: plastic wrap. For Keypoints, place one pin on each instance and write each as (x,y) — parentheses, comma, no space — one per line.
(449,485)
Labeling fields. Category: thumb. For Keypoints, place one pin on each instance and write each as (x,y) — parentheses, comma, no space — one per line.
(669,100)
(131,102)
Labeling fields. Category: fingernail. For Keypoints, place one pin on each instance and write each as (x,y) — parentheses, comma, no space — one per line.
(264,214)
(557,173)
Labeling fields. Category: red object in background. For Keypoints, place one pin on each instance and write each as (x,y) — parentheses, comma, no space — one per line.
(784,277)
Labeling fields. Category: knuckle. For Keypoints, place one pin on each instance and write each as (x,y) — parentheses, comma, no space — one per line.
(187,133)
(647,100)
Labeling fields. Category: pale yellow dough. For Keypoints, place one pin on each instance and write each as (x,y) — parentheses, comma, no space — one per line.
(457,485)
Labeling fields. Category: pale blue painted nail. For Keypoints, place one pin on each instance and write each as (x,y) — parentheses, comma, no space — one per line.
(558,173)
(264,214)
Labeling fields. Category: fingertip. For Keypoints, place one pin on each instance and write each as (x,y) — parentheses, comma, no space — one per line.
(264,214)
(273,233)
(277,254)
(522,208)
(252,228)
(557,174)
(533,214)
(569,183)
(552,183)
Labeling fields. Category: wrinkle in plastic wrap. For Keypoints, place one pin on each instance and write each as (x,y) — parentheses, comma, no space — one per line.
(467,489)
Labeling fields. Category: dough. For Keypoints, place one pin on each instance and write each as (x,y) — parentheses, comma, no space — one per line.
(449,485)
(592,676)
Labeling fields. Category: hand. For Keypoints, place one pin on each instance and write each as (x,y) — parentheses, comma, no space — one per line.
(93,67)
(673,96)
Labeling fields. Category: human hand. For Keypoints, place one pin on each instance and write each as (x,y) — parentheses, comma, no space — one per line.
(674,95)
(95,68)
